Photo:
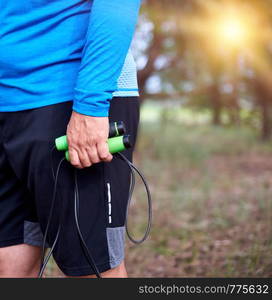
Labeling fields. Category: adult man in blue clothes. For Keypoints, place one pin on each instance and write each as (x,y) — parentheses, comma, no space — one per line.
(65,68)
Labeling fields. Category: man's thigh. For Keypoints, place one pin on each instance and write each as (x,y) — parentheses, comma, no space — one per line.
(18,219)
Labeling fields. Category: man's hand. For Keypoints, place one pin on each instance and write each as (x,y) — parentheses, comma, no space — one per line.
(87,140)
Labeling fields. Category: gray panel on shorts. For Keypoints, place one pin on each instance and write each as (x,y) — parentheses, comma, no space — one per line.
(116,245)
(32,234)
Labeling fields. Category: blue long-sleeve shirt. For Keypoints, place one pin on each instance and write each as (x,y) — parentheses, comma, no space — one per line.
(61,50)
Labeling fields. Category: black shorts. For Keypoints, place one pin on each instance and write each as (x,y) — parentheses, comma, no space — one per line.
(27,184)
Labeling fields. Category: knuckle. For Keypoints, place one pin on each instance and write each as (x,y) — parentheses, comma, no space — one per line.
(70,141)
(103,156)
(85,161)
(75,164)
(101,138)
(91,141)
(95,160)
(87,165)
(90,151)
(73,144)
(80,143)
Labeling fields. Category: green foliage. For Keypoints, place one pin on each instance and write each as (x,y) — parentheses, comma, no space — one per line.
(208,70)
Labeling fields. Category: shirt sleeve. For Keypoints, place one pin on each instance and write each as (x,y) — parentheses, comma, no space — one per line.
(110,31)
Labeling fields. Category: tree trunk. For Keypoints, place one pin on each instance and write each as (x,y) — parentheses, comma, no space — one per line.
(153,52)
(263,95)
(216,104)
(266,119)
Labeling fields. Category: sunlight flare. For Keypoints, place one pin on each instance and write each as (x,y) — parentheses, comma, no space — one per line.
(233,31)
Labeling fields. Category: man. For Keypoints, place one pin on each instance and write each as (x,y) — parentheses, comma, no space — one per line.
(65,68)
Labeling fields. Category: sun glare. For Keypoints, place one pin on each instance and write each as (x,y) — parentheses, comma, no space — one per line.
(233,31)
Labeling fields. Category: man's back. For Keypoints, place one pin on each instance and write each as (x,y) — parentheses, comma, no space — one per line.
(65,69)
(41,44)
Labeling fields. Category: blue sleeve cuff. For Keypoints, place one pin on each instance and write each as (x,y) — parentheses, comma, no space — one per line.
(92,104)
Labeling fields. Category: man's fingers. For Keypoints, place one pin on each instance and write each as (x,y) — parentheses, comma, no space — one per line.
(84,158)
(92,154)
(87,137)
(103,152)
(74,159)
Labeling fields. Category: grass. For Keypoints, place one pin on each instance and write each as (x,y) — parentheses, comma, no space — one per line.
(212,192)
(212,203)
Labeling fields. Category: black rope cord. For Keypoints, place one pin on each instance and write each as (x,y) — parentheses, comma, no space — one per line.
(133,169)
(83,243)
(44,260)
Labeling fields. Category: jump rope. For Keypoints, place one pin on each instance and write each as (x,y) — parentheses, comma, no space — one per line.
(117,142)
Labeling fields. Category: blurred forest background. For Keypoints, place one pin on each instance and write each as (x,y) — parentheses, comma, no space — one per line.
(205,75)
